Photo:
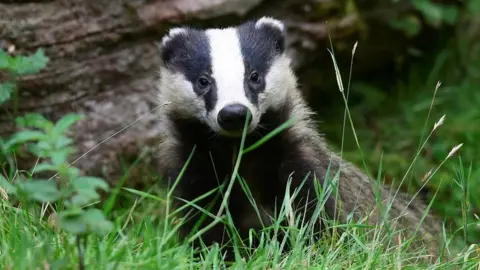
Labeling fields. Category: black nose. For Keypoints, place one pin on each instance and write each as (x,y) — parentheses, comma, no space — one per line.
(233,117)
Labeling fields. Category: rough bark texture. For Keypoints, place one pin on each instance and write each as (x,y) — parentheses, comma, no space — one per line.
(104,59)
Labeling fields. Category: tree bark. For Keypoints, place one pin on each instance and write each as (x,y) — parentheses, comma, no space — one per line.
(103,58)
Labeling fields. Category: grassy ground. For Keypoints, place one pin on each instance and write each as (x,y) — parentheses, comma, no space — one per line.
(140,241)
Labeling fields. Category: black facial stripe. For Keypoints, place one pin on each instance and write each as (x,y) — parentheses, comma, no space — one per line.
(210,97)
(189,54)
(259,48)
(252,89)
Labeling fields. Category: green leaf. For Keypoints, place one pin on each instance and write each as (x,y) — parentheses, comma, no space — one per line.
(41,190)
(4,59)
(34,120)
(83,198)
(71,220)
(85,188)
(45,167)
(79,221)
(88,182)
(72,172)
(60,156)
(41,149)
(65,122)
(6,185)
(63,141)
(24,65)
(97,222)
(6,90)
(25,136)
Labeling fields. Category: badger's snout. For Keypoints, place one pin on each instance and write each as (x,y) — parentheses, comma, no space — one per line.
(232,117)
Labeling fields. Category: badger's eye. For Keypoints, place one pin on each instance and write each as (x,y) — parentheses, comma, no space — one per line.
(203,82)
(255,77)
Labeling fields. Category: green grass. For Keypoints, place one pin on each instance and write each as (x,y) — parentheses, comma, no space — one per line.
(391,128)
(140,241)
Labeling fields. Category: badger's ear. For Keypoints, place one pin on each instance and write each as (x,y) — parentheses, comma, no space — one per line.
(275,29)
(170,41)
(270,22)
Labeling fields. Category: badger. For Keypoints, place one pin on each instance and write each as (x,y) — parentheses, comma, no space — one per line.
(219,85)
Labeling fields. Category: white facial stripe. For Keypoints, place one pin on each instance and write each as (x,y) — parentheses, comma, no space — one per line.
(227,68)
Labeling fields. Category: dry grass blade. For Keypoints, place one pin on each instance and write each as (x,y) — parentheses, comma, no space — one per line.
(4,194)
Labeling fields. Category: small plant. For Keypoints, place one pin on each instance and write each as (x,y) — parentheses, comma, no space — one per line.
(16,66)
(48,141)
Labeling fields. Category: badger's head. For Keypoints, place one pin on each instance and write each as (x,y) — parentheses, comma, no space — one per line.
(218,76)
